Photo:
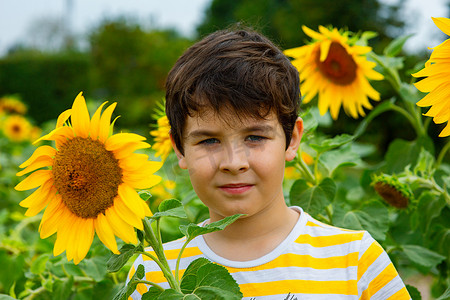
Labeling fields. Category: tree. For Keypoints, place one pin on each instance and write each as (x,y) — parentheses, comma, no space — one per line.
(281,20)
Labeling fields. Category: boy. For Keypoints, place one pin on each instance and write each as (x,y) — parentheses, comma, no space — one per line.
(232,102)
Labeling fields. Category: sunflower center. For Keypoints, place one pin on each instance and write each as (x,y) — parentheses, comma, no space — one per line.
(391,195)
(16,128)
(339,66)
(87,176)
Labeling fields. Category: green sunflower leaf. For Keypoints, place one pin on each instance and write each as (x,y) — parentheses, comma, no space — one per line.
(332,143)
(127,290)
(372,216)
(170,208)
(422,256)
(207,280)
(38,265)
(117,261)
(192,230)
(312,199)
(395,47)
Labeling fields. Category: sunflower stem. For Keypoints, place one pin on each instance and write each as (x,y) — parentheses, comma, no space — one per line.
(409,117)
(150,283)
(441,155)
(177,268)
(161,260)
(305,170)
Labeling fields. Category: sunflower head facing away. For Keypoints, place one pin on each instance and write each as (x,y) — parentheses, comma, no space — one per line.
(161,135)
(335,70)
(87,182)
(12,105)
(436,82)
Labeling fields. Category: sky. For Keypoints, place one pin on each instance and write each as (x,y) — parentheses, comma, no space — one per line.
(19,19)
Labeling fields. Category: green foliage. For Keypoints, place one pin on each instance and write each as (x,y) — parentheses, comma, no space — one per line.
(282,20)
(45,82)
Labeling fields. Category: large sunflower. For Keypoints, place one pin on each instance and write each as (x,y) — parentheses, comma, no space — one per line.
(336,70)
(437,82)
(87,183)
(162,145)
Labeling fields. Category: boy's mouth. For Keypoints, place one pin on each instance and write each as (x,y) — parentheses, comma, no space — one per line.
(236,188)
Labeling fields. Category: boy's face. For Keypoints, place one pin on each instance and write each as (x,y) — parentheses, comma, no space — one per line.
(237,166)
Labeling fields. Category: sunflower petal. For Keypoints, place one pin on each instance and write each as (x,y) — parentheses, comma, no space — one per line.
(38,195)
(127,214)
(446,131)
(443,24)
(105,233)
(324,50)
(312,34)
(105,122)
(132,200)
(40,162)
(62,118)
(80,117)
(41,151)
(84,239)
(51,218)
(64,231)
(144,183)
(34,180)
(122,229)
(129,149)
(95,122)
(121,139)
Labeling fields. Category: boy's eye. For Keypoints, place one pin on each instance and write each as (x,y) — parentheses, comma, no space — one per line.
(255,138)
(209,141)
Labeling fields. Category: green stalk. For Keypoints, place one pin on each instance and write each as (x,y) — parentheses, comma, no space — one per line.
(161,261)
(177,268)
(150,283)
(411,119)
(305,170)
(442,155)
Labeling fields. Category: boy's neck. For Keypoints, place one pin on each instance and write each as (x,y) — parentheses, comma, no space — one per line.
(252,237)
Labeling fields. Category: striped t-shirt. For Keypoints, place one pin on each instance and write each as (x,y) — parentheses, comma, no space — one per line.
(315,261)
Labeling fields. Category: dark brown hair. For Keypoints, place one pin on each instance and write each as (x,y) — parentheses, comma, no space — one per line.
(241,70)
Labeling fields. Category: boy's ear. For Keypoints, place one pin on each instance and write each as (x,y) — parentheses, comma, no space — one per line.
(297,134)
(181,159)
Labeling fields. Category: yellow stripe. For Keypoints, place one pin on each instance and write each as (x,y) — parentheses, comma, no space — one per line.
(305,261)
(378,282)
(158,276)
(299,286)
(309,223)
(400,295)
(173,254)
(371,254)
(142,288)
(330,240)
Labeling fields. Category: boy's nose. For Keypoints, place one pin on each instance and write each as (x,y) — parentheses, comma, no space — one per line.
(234,160)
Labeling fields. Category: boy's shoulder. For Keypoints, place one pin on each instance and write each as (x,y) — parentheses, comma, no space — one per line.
(323,235)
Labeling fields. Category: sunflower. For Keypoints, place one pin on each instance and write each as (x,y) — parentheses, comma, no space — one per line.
(12,105)
(87,183)
(437,82)
(17,128)
(337,70)
(162,145)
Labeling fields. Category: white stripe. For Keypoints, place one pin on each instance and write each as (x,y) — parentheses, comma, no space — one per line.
(389,289)
(296,273)
(304,297)
(373,271)
(324,252)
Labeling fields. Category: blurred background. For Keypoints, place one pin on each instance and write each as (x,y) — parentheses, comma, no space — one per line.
(121,50)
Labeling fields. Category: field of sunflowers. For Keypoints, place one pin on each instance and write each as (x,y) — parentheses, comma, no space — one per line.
(80,199)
